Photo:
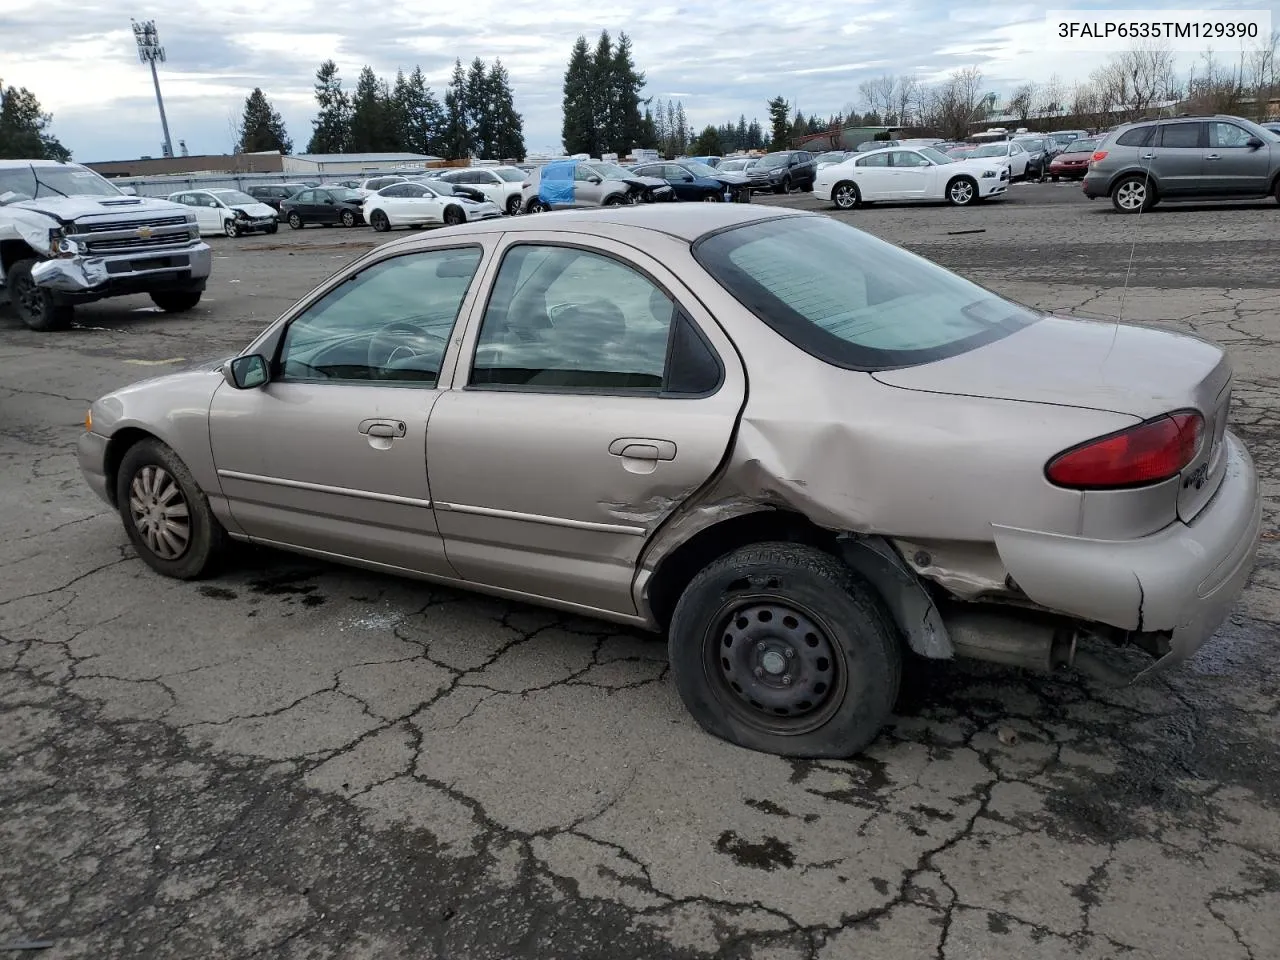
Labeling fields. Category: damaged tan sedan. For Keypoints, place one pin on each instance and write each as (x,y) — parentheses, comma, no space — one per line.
(801,452)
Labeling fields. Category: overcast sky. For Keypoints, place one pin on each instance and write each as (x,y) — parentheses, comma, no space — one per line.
(722,58)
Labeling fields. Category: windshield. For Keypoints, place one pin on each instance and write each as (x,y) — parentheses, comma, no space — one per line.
(66,180)
(735,165)
(991,150)
(937,156)
(346,193)
(698,168)
(232,197)
(611,171)
(771,160)
(851,299)
(1031,145)
(510,176)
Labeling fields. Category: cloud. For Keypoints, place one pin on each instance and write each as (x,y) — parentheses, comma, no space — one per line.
(721,58)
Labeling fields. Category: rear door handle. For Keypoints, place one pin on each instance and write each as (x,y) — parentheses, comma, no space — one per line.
(383,428)
(1147,156)
(640,448)
(1212,156)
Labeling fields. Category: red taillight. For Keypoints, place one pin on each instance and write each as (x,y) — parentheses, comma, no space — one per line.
(1098,155)
(1145,454)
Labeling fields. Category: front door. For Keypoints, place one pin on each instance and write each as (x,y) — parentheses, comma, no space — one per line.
(208,213)
(330,455)
(593,397)
(1231,166)
(910,174)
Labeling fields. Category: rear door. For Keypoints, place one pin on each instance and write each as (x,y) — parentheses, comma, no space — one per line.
(1231,166)
(592,397)
(1177,158)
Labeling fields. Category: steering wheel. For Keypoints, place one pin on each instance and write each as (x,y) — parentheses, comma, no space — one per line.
(399,341)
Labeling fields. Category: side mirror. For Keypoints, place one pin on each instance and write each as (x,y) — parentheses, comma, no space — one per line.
(1254,143)
(687,178)
(245,373)
(594,179)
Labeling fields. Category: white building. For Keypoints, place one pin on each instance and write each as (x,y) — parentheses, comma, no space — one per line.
(331,163)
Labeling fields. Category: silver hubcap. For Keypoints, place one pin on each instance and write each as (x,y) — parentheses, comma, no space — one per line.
(160,513)
(1131,195)
(962,192)
(230,227)
(845,197)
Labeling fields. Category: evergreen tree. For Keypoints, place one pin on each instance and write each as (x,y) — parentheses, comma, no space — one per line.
(24,128)
(457,142)
(478,109)
(755,136)
(625,128)
(579,127)
(397,113)
(799,127)
(661,129)
(740,134)
(368,109)
(508,125)
(261,127)
(683,133)
(780,123)
(604,109)
(421,116)
(331,133)
(648,137)
(707,144)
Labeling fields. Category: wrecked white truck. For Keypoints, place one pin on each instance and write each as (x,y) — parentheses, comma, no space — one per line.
(68,236)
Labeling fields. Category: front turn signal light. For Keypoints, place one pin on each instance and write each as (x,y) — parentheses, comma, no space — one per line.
(88,420)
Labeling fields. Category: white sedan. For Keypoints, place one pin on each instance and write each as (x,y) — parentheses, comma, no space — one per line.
(223,210)
(418,204)
(498,184)
(902,173)
(1008,151)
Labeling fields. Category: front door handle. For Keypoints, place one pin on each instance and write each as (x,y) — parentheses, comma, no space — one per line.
(640,448)
(1147,156)
(1212,156)
(383,428)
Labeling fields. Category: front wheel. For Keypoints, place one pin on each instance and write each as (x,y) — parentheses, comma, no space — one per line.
(165,513)
(454,217)
(784,186)
(962,191)
(295,222)
(35,306)
(616,201)
(535,206)
(781,648)
(348,218)
(175,301)
(513,205)
(379,221)
(272,227)
(711,196)
(845,196)
(230,227)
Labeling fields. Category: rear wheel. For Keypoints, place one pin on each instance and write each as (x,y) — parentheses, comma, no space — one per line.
(175,301)
(295,222)
(348,218)
(1275,189)
(166,514)
(781,648)
(711,196)
(535,206)
(35,306)
(379,221)
(1133,195)
(272,227)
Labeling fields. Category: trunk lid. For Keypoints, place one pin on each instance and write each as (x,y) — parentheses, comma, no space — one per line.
(1098,365)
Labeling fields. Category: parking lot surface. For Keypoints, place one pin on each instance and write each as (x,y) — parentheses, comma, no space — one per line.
(297,760)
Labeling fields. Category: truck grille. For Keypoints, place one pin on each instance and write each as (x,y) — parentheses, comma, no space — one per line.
(112,236)
(115,226)
(138,243)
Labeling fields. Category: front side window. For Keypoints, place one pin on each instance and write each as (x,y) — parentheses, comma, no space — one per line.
(853,300)
(1228,135)
(510,176)
(389,323)
(907,158)
(565,318)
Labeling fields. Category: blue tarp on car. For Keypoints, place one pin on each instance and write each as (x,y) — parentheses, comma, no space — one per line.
(555,185)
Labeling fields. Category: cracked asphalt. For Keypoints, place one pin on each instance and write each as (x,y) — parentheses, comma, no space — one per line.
(296,760)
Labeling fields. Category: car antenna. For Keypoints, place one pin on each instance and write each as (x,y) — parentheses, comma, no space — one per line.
(1156,131)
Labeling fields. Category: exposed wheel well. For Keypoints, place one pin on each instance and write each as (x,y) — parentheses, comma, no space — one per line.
(118,446)
(676,570)
(11,251)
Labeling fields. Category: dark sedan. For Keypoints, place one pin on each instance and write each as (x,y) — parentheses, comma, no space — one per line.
(325,205)
(1073,163)
(695,180)
(274,194)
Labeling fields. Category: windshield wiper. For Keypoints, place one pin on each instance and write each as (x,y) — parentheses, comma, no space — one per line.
(40,183)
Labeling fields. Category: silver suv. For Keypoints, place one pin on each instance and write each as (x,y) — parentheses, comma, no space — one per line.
(1186,158)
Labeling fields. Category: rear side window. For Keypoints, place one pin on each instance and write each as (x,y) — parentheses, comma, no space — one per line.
(1137,137)
(1180,135)
(852,300)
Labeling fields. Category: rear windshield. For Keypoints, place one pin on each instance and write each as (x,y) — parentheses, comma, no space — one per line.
(851,299)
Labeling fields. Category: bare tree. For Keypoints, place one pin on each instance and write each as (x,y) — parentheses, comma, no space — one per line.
(955,103)
(885,90)
(867,93)
(1214,87)
(1150,69)
(1022,103)
(1051,98)
(906,98)
(1264,73)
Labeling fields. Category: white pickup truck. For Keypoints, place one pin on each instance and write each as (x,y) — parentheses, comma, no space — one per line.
(68,236)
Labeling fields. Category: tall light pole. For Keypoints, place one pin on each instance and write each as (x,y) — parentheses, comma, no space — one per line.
(150,51)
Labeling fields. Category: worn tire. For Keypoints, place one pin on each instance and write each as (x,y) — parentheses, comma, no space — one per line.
(295,222)
(35,307)
(864,671)
(207,541)
(176,301)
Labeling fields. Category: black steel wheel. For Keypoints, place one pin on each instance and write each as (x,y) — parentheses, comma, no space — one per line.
(782,648)
(166,514)
(35,306)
